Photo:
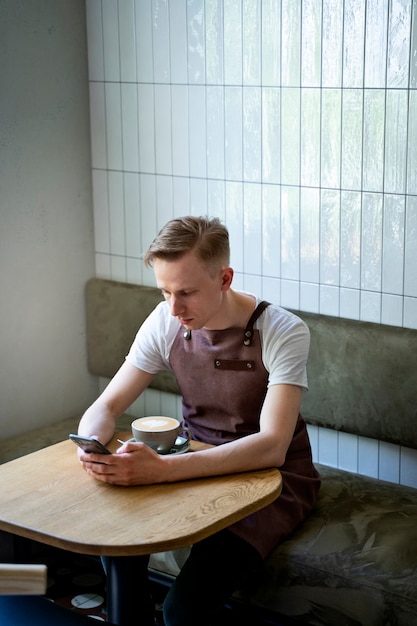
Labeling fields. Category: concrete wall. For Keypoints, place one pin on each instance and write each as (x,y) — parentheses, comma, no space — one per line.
(46,219)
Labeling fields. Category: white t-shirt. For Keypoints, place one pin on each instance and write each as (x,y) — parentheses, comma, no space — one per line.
(285,342)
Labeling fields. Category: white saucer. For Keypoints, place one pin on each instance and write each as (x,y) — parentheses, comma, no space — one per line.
(181,445)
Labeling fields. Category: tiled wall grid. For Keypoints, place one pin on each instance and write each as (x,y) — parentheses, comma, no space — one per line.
(295,122)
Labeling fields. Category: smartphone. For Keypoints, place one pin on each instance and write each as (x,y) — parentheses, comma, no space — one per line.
(88,444)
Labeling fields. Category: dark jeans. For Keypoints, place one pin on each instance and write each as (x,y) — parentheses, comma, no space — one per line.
(216,567)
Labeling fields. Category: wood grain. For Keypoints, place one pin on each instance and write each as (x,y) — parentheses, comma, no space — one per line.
(22,579)
(47,497)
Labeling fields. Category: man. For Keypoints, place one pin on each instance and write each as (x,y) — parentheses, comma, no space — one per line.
(241,368)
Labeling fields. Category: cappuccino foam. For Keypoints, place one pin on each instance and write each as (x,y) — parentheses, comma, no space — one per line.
(155,424)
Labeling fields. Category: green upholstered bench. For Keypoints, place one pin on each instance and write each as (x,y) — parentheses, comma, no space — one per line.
(354,560)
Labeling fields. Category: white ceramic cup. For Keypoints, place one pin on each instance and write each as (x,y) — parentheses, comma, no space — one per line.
(159,432)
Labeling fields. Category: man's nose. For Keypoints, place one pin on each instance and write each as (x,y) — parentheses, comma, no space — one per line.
(177,307)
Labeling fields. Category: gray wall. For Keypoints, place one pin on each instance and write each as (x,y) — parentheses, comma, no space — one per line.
(46,223)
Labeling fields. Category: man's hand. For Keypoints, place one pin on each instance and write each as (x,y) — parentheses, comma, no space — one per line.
(134,463)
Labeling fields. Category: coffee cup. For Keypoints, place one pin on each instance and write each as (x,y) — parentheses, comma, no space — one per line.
(159,432)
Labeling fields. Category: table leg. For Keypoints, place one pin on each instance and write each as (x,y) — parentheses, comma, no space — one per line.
(128,591)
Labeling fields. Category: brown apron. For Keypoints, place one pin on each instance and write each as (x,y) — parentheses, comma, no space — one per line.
(223,383)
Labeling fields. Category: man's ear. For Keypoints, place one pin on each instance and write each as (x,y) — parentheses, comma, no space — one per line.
(227,277)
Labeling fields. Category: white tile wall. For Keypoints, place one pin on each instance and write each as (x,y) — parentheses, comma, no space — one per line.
(296,123)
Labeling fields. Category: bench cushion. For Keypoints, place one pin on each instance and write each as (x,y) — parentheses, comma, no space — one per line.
(352,562)
(115,312)
(362,378)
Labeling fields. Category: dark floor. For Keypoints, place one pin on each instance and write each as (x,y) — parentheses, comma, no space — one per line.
(78,583)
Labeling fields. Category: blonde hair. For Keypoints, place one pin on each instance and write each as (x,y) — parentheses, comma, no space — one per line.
(208,237)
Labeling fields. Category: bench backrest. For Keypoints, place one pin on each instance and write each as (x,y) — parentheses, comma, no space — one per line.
(362,376)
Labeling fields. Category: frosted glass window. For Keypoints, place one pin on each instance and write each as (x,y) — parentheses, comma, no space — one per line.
(271,230)
(332,39)
(353,49)
(216,198)
(132,214)
(98,126)
(251,44)
(271,42)
(252,134)
(352,105)
(95,40)
(181,196)
(410,275)
(331,103)
(179,114)
(349,303)
(116,214)
(113,125)
(290,294)
(233,133)
(290,233)
(399,31)
(413,50)
(291,42)
(198,196)
(309,297)
(196,42)
(310,137)
(290,136)
(271,139)
(197,131)
(233,42)
(146,114)
(395,141)
(391,309)
(130,128)
(311,44)
(164,199)
(101,211)
(160,42)
(234,217)
(148,219)
(329,300)
(215,132)
(214,43)
(350,239)
(370,307)
(111,48)
(313,101)
(144,50)
(252,229)
(371,242)
(127,41)
(376,43)
(373,139)
(177,41)
(393,244)
(329,237)
(310,235)
(163,137)
(412,143)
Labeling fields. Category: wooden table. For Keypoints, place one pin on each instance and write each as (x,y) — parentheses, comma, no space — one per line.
(45,496)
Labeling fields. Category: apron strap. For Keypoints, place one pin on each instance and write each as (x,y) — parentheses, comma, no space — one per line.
(249,327)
